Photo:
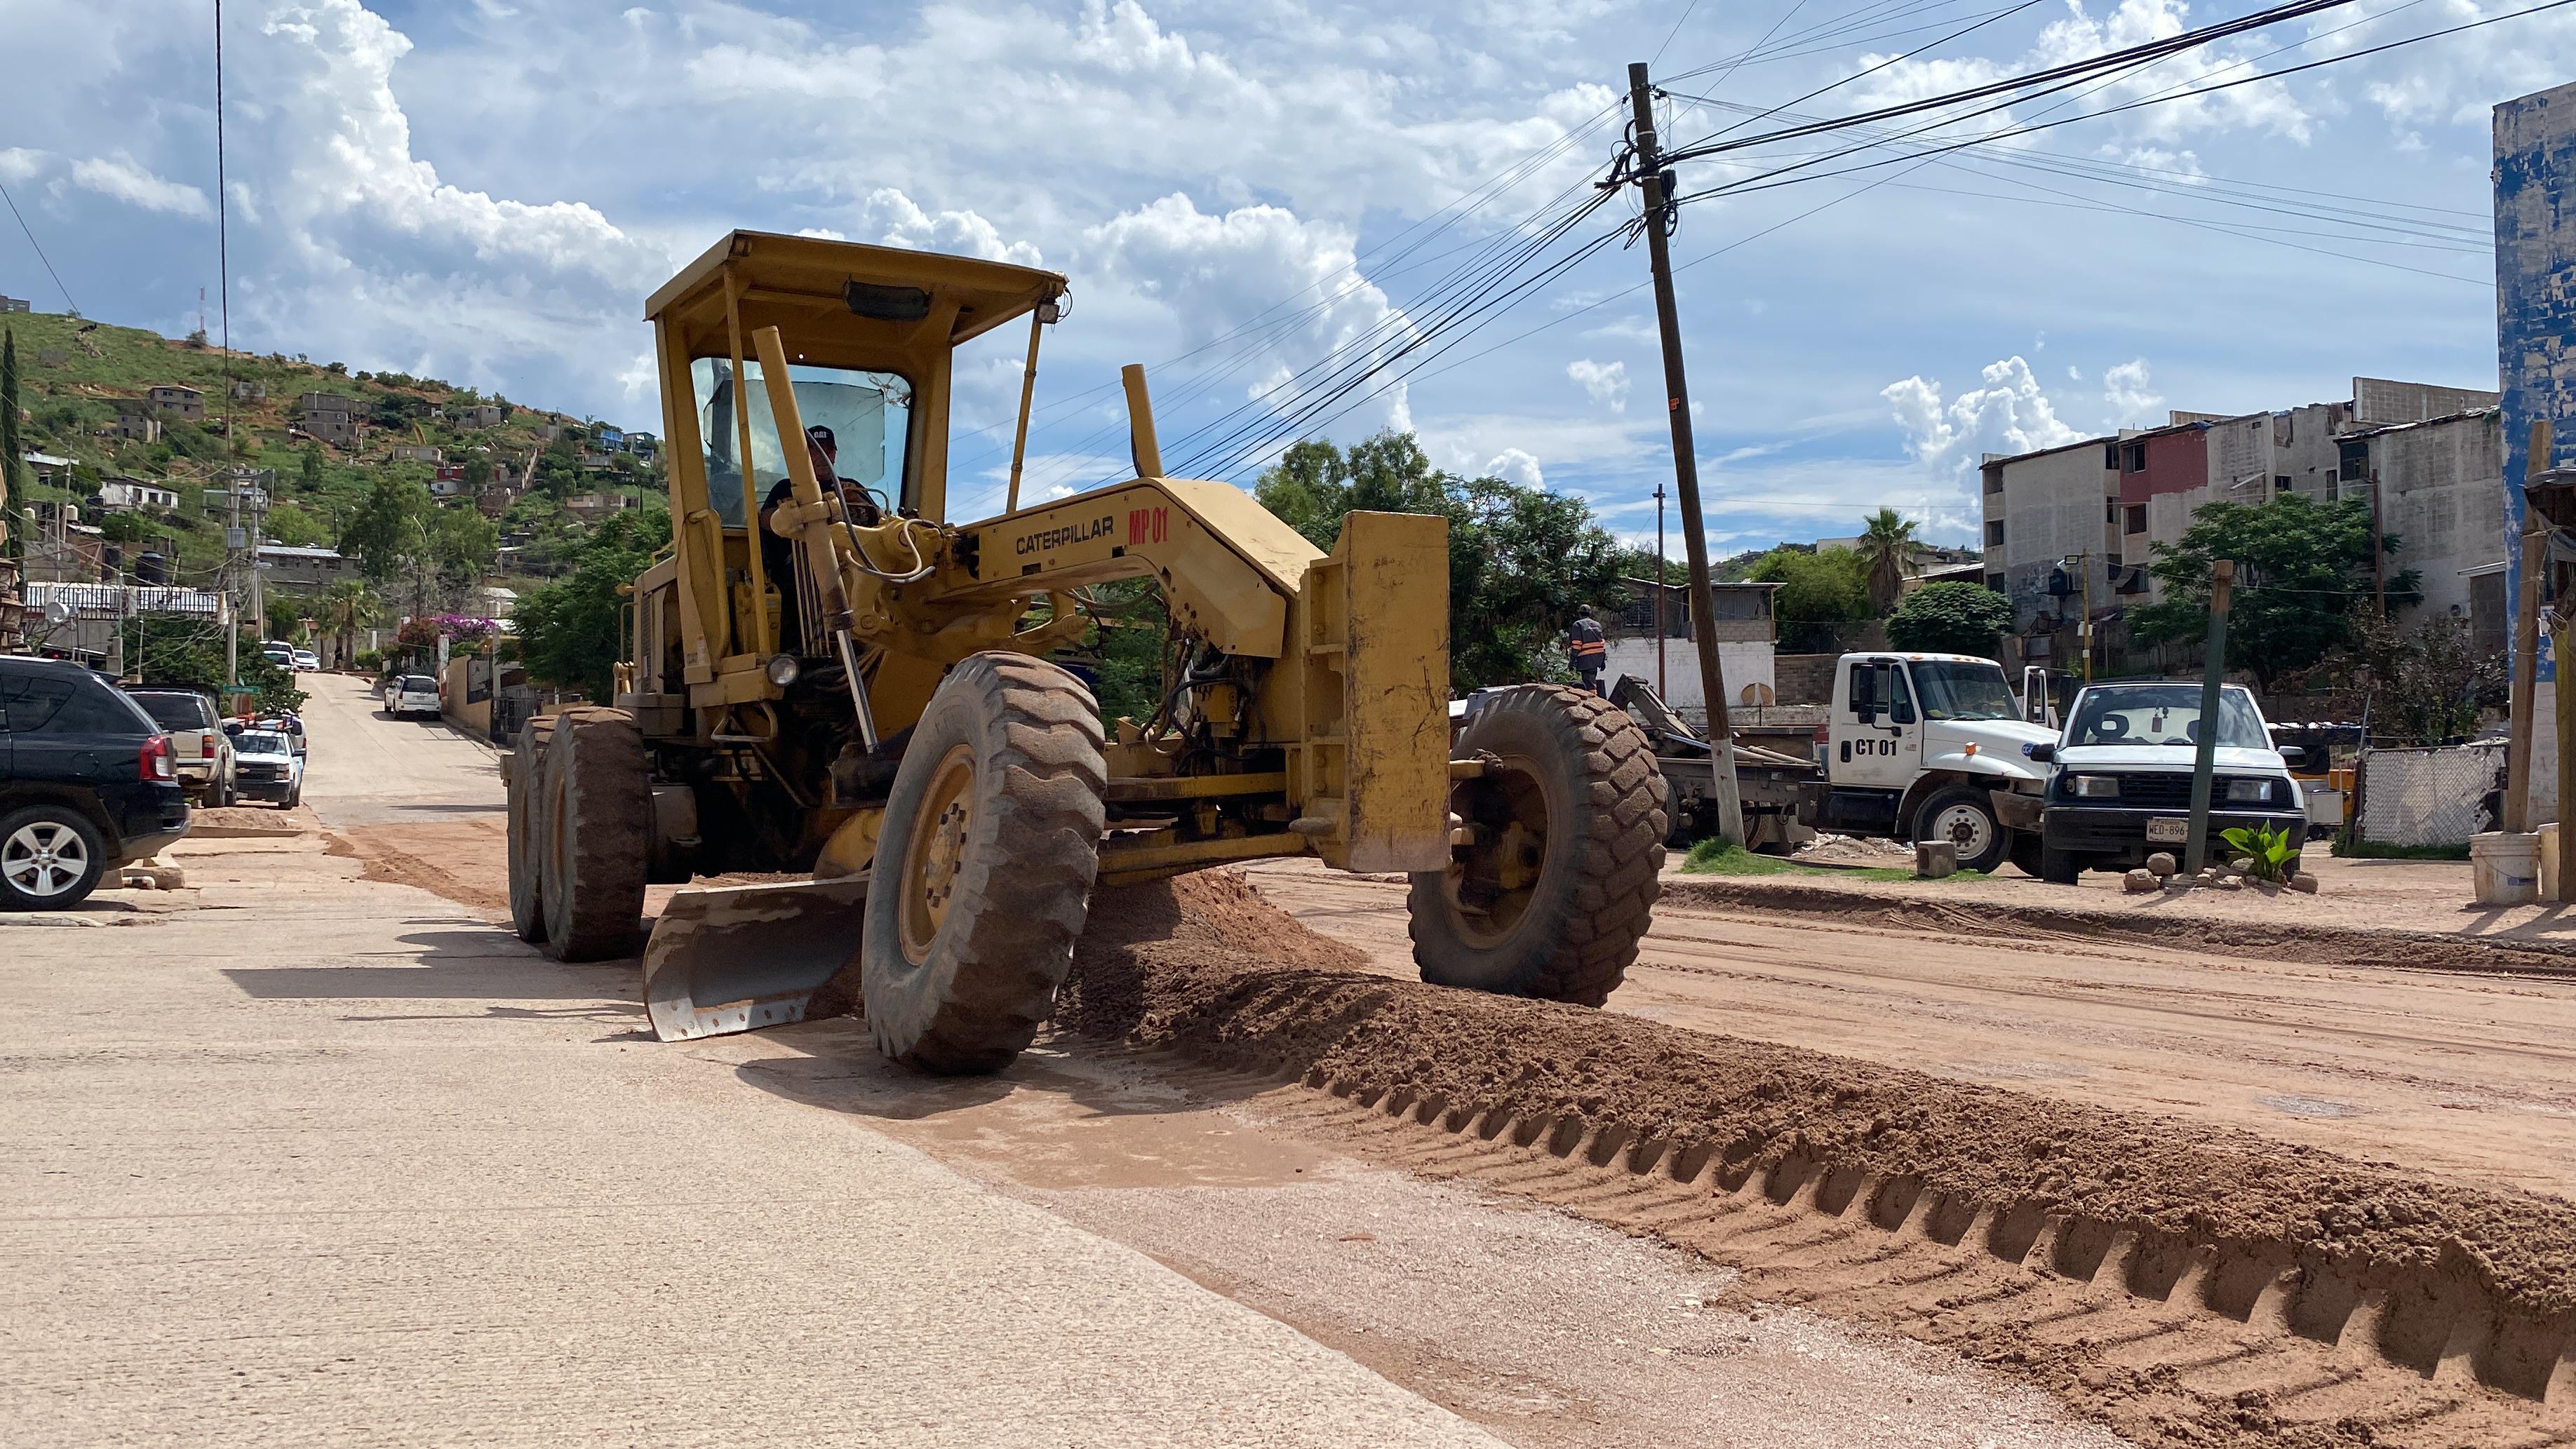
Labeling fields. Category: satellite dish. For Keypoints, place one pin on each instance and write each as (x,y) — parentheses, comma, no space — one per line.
(58,612)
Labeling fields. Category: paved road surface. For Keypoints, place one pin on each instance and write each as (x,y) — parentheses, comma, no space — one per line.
(300,1158)
(2448,1072)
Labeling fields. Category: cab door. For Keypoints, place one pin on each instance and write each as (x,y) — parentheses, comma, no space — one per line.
(1877,739)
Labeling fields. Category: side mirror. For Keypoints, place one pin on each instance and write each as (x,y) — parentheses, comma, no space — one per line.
(2294,756)
(2043,753)
(1901,712)
(1864,694)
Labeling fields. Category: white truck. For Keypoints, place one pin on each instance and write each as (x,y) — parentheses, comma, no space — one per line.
(1933,747)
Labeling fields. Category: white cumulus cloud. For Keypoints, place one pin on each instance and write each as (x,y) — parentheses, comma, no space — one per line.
(2007,413)
(2126,390)
(1605,382)
(118,176)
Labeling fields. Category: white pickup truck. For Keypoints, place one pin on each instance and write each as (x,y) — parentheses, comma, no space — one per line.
(1933,747)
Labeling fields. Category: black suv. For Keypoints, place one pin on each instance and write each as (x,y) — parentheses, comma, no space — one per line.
(87,783)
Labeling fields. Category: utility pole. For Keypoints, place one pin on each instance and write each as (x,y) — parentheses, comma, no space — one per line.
(2084,631)
(2378,554)
(2526,638)
(2205,754)
(232,582)
(1663,683)
(1652,180)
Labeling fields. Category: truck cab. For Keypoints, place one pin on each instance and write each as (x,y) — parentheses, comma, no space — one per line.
(1934,747)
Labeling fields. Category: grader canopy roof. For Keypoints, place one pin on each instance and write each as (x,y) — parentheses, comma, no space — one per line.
(844,304)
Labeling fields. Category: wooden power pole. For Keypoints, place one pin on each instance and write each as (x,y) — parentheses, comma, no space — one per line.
(2212,702)
(1712,678)
(2526,639)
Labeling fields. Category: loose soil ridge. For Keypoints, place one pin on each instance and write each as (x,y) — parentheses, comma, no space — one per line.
(2265,940)
(2186,1285)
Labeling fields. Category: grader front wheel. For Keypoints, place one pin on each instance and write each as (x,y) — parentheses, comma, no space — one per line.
(983,875)
(1555,876)
(525,774)
(595,822)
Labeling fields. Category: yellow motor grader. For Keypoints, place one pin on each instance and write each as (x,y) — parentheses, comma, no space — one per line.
(826,678)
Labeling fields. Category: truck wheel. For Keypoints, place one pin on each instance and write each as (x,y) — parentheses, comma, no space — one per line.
(983,875)
(1963,816)
(526,771)
(1560,881)
(598,809)
(51,857)
(2060,867)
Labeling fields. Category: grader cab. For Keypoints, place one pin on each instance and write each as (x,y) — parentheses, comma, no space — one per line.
(828,679)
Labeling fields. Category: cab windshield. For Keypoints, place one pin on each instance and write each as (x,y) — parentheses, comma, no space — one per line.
(260,744)
(2163,714)
(869,413)
(1955,691)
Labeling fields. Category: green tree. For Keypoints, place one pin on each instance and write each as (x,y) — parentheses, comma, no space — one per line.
(172,650)
(1823,593)
(311,474)
(390,529)
(569,630)
(1950,618)
(296,528)
(1887,556)
(349,607)
(2421,686)
(1521,560)
(2302,566)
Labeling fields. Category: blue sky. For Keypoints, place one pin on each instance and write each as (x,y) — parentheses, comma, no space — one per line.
(486,191)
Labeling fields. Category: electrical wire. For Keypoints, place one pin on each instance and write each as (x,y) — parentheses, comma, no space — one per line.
(68,304)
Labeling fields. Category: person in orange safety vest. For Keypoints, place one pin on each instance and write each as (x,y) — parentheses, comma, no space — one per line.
(1583,642)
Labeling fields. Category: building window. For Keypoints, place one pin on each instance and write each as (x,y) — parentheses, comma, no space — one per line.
(1994,480)
(2356,462)
(2133,457)
(2137,518)
(2280,484)
(2111,510)
(1995,533)
(2111,456)
(1995,582)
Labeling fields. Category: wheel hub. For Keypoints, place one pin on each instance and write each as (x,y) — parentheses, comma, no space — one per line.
(1492,876)
(936,855)
(43,859)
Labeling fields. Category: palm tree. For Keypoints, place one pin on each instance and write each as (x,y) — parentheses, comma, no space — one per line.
(1887,552)
(349,607)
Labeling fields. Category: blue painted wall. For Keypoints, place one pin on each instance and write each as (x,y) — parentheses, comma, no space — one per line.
(2535,242)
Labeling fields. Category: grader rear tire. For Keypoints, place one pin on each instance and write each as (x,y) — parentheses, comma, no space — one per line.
(527,773)
(1561,881)
(598,813)
(983,875)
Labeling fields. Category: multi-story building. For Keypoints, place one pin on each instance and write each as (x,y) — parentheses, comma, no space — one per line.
(136,425)
(2040,545)
(480,415)
(172,400)
(303,570)
(592,507)
(332,418)
(15,304)
(418,453)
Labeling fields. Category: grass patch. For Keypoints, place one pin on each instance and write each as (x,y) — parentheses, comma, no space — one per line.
(2374,850)
(1716,857)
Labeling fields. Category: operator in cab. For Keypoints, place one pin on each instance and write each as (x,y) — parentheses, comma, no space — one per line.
(1584,645)
(778,555)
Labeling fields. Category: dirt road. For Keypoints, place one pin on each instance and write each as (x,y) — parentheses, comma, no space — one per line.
(2461,1074)
(298,1156)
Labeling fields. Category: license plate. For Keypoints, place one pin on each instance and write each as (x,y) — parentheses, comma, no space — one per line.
(2169,830)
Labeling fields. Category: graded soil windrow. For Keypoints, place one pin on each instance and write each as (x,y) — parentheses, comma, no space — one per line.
(2187,1285)
(2263,940)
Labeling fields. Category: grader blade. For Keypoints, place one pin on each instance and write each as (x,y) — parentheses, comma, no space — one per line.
(724,959)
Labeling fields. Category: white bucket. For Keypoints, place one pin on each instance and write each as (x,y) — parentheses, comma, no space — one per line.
(2505,866)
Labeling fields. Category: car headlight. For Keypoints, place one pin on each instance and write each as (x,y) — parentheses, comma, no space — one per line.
(2256,791)
(782,669)
(2096,787)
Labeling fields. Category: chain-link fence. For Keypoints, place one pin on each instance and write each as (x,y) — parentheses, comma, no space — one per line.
(2430,796)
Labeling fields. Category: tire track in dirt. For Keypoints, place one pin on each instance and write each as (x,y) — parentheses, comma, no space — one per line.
(2185,1285)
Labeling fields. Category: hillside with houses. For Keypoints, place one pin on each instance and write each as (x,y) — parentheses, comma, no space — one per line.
(424,495)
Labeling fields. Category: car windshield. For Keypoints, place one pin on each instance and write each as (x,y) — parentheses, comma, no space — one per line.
(260,744)
(869,413)
(1951,690)
(2162,714)
(174,711)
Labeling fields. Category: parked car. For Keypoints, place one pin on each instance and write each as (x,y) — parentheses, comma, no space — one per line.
(279,653)
(305,661)
(2119,788)
(411,694)
(199,738)
(272,769)
(87,783)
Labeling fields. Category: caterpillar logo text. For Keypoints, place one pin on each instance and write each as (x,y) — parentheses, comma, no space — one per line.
(1047,538)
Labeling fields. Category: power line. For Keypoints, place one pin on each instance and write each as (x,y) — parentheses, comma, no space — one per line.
(68,303)
(1677,28)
